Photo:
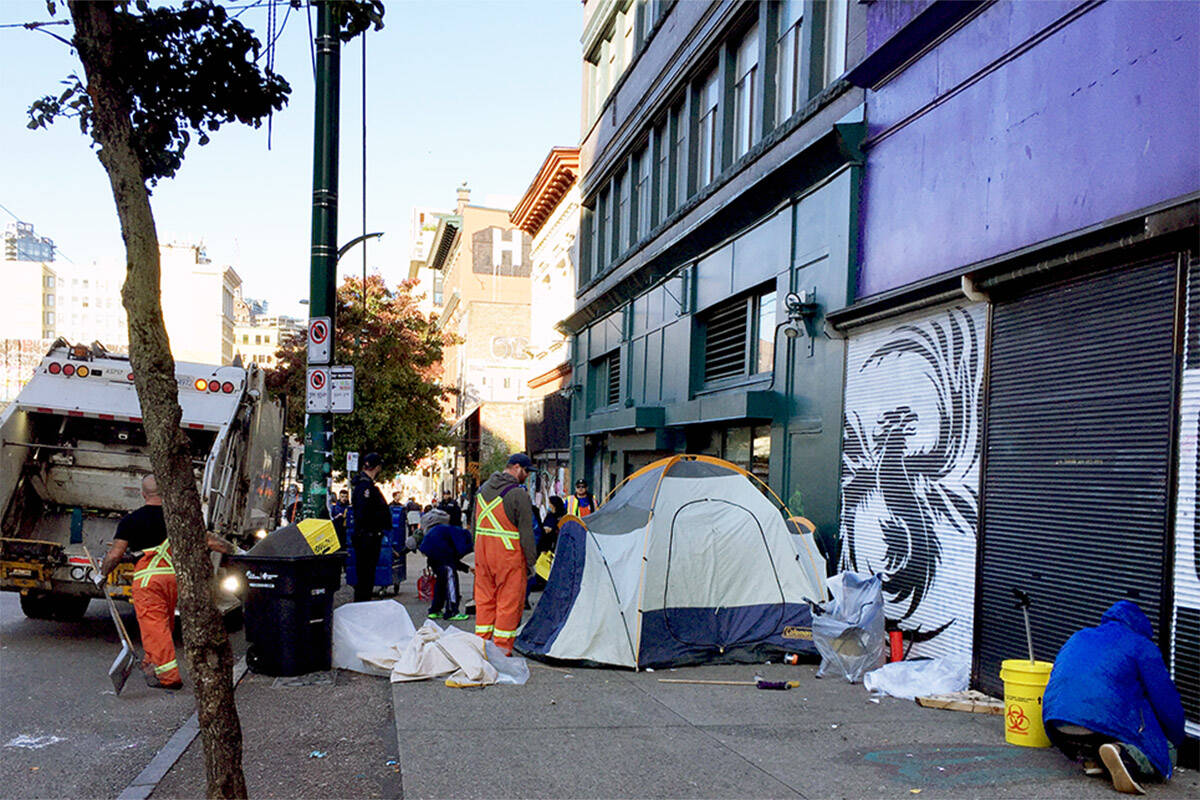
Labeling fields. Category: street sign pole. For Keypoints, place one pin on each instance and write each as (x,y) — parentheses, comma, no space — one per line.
(318,430)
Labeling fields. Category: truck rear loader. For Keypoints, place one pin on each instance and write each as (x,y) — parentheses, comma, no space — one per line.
(73,452)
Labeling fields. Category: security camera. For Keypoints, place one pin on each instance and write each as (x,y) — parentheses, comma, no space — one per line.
(793,330)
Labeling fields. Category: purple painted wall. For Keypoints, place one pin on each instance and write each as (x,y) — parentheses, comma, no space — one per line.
(1034,120)
(884,19)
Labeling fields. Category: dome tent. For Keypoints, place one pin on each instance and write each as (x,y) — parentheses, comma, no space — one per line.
(686,563)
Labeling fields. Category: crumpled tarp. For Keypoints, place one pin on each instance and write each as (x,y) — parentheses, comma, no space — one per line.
(378,638)
(909,680)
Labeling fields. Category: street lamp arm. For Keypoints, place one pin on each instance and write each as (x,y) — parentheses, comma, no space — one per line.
(342,250)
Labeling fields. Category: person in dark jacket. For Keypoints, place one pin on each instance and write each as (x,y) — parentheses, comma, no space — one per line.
(1111,698)
(372,518)
(547,539)
(451,507)
(445,546)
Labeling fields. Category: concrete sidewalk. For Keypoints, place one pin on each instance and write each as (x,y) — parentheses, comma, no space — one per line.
(611,733)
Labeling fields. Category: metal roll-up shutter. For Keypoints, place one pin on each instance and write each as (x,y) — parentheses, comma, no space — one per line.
(1077,464)
(910,469)
(1185,628)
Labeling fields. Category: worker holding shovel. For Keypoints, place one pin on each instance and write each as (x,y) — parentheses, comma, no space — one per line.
(154,588)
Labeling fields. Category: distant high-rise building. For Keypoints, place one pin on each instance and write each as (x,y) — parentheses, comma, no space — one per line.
(22,244)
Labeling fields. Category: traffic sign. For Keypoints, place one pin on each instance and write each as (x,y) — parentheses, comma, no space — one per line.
(316,396)
(320,334)
(341,390)
(351,462)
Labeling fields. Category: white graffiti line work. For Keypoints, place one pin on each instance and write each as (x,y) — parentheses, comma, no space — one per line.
(910,466)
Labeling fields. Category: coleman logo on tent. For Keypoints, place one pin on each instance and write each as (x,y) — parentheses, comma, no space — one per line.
(792,632)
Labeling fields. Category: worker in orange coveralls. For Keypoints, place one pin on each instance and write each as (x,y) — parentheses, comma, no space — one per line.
(504,552)
(143,533)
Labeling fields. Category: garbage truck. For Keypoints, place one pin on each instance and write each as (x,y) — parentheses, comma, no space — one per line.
(73,453)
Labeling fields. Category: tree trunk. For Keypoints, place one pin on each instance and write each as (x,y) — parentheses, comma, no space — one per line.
(205,640)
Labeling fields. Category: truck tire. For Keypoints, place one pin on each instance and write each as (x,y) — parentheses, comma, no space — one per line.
(61,607)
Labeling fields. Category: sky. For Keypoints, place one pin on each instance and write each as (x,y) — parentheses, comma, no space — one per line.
(456,91)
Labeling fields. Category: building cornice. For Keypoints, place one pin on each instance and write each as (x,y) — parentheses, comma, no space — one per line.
(554,179)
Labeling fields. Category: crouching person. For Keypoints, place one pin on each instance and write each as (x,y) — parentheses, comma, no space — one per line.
(445,546)
(1110,700)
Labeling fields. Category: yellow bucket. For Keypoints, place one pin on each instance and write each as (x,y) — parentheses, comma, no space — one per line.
(1024,684)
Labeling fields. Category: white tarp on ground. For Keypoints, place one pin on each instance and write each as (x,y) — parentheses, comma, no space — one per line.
(378,638)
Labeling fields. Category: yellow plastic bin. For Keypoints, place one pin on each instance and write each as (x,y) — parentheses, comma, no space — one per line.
(1024,684)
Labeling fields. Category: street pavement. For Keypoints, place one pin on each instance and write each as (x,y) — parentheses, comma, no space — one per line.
(576,732)
(63,732)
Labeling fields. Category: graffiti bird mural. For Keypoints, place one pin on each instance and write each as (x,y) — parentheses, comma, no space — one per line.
(910,469)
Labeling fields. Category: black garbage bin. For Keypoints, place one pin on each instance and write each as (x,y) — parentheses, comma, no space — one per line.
(289,611)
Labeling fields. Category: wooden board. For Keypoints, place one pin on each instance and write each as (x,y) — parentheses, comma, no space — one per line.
(970,700)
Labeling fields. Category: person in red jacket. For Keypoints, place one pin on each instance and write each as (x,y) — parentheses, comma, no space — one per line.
(504,552)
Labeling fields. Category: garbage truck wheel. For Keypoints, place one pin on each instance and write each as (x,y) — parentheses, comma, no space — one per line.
(46,605)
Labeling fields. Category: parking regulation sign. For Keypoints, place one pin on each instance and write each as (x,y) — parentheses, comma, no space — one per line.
(341,389)
(316,396)
(320,334)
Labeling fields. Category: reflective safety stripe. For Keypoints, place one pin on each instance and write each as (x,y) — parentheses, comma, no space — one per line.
(167,667)
(484,628)
(160,564)
(499,634)
(488,525)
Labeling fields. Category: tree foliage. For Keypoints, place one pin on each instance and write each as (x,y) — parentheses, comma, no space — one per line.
(182,71)
(396,353)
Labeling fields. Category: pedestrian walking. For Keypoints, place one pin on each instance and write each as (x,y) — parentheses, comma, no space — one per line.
(504,551)
(451,507)
(582,502)
(337,513)
(371,519)
(445,546)
(143,534)
(1110,700)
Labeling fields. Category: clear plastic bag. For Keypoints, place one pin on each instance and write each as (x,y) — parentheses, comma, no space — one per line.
(912,679)
(850,635)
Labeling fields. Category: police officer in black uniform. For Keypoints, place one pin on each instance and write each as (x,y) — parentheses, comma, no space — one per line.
(372,518)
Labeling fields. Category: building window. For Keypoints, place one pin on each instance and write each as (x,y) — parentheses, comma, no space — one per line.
(508,383)
(745,100)
(739,337)
(709,100)
(679,167)
(641,163)
(621,190)
(662,172)
(604,232)
(439,280)
(626,21)
(787,86)
(245,338)
(748,446)
(605,378)
(49,281)
(258,339)
(48,318)
(48,301)
(835,39)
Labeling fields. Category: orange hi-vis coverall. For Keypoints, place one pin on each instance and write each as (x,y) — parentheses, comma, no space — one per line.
(154,595)
(499,574)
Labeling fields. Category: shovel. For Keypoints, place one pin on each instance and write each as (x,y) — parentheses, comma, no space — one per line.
(123,665)
(1023,603)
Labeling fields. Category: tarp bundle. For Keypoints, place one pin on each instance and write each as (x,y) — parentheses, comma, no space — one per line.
(378,638)
(687,562)
(305,538)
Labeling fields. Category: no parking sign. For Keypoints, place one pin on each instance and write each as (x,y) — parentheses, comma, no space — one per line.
(320,331)
(316,395)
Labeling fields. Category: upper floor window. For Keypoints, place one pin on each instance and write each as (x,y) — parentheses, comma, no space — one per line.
(604,231)
(679,131)
(739,337)
(835,39)
(787,72)
(605,380)
(744,101)
(662,172)
(642,163)
(621,188)
(708,99)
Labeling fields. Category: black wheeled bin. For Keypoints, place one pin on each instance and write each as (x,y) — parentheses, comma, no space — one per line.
(289,611)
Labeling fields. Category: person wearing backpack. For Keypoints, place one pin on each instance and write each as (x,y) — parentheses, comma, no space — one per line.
(504,552)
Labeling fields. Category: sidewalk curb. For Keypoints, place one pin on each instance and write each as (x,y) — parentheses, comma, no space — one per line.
(141,787)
